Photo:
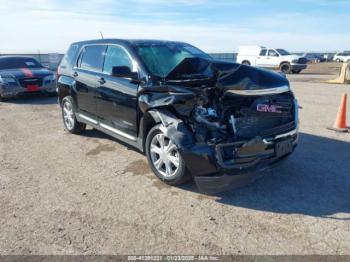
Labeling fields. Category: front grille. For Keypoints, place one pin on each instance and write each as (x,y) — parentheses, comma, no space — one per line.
(25,82)
(302,60)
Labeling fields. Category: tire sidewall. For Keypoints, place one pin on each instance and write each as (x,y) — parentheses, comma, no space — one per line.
(181,171)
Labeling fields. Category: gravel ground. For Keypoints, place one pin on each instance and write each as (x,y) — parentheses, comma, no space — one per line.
(88,194)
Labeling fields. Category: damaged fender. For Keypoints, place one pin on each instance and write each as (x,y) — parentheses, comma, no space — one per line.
(200,156)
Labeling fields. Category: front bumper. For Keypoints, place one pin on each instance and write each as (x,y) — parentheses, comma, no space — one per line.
(8,91)
(298,66)
(246,165)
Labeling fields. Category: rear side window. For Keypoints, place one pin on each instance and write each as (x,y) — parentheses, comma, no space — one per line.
(263,52)
(116,56)
(92,57)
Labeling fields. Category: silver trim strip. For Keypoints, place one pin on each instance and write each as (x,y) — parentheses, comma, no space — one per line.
(290,133)
(293,132)
(114,130)
(276,90)
(118,132)
(88,119)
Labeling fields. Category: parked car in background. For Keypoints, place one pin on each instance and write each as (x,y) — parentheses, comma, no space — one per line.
(19,74)
(194,117)
(328,57)
(314,58)
(273,58)
(342,57)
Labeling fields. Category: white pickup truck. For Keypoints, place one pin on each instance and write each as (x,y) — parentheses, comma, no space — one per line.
(273,58)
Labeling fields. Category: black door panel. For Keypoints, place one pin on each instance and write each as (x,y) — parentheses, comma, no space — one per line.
(90,62)
(117,103)
(116,96)
(85,85)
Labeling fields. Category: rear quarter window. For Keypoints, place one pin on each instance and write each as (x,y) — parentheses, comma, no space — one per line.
(68,58)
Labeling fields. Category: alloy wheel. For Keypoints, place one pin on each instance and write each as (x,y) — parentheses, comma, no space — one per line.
(164,155)
(68,115)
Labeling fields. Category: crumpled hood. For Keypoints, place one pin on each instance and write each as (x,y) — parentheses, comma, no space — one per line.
(26,72)
(228,76)
(196,77)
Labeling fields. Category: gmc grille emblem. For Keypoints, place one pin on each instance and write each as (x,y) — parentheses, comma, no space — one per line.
(268,108)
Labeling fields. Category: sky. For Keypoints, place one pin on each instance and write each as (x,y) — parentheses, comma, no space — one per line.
(211,25)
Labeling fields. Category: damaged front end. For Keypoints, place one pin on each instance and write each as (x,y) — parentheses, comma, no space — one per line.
(228,120)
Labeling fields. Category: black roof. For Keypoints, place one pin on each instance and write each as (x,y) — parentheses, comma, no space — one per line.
(125,41)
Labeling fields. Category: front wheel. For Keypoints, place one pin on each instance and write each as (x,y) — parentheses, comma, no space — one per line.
(285,68)
(164,158)
(70,122)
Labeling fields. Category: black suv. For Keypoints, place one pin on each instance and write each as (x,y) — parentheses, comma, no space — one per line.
(219,123)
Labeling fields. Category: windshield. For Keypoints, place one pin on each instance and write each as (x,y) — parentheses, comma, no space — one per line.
(282,52)
(162,58)
(18,62)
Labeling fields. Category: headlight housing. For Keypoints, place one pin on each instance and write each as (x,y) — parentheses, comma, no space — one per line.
(7,79)
(295,61)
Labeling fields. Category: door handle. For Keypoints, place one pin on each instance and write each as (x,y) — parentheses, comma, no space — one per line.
(75,74)
(102,81)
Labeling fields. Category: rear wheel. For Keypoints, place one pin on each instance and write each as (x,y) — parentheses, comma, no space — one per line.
(164,158)
(246,62)
(338,60)
(70,122)
(285,68)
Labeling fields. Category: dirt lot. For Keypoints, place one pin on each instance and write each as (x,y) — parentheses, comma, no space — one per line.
(88,194)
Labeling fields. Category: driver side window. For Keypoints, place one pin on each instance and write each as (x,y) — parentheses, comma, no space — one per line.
(272,53)
(116,56)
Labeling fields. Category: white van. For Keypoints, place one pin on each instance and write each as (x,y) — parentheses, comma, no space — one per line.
(274,58)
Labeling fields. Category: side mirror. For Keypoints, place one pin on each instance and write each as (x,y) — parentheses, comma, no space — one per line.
(124,71)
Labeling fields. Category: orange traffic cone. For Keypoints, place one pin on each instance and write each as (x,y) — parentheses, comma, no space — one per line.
(340,121)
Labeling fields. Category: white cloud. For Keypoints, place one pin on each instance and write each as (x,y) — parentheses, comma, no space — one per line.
(44,28)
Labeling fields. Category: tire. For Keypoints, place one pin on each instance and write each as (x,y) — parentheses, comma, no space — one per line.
(70,122)
(285,68)
(246,62)
(296,71)
(337,60)
(173,175)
